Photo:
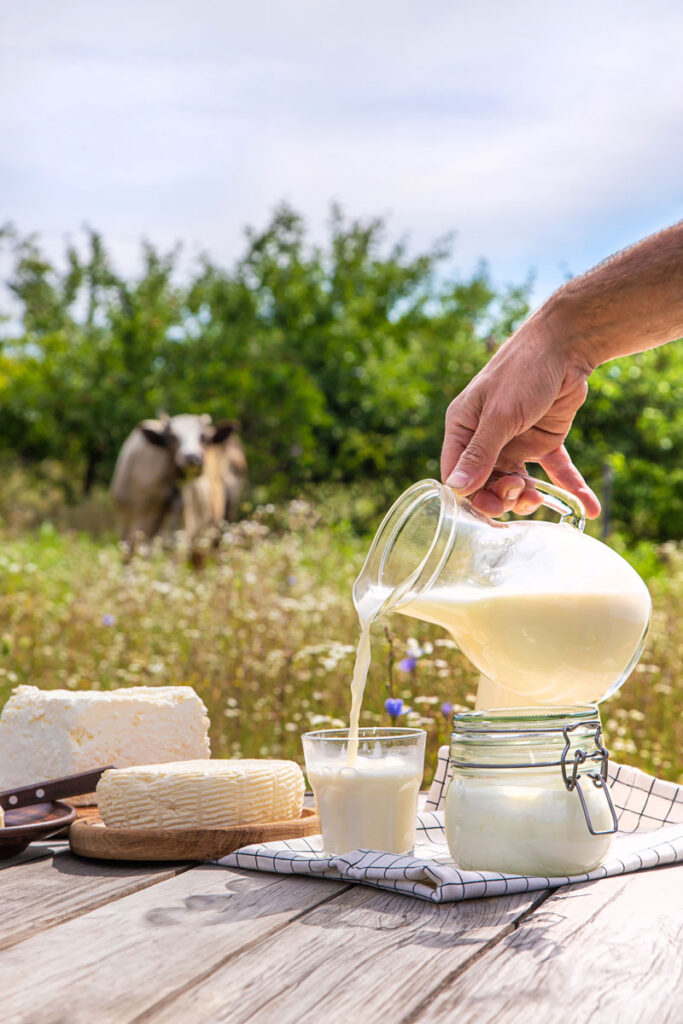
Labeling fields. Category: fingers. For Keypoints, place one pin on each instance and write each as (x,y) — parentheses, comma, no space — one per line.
(469,456)
(486,502)
(508,488)
(528,502)
(492,505)
(499,495)
(461,422)
(562,471)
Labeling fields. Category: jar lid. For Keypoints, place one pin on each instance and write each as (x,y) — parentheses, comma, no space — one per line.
(517,721)
(510,737)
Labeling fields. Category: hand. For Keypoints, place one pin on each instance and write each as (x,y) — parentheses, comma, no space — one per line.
(518,409)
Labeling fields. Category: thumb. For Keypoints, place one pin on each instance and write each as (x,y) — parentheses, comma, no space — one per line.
(479,457)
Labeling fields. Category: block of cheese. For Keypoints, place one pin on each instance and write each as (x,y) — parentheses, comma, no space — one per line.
(201,794)
(2,818)
(48,733)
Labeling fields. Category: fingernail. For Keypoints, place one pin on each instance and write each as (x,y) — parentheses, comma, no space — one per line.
(525,508)
(514,492)
(458,480)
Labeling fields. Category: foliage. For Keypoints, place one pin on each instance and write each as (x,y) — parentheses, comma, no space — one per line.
(266,635)
(339,359)
(631,428)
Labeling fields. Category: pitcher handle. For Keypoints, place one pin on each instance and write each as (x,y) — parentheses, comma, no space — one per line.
(568,506)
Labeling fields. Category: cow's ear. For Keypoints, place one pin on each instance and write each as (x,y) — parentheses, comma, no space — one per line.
(155,432)
(223,430)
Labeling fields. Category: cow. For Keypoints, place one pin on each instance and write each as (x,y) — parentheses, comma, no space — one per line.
(184,461)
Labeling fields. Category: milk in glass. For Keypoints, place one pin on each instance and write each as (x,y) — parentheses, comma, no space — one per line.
(371,804)
(366,799)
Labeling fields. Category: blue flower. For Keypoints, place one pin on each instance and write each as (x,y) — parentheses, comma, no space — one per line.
(108,620)
(394,707)
(408,664)
(447,709)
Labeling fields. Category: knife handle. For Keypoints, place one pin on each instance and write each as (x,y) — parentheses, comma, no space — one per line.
(52,789)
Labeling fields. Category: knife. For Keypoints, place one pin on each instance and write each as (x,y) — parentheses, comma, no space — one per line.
(52,789)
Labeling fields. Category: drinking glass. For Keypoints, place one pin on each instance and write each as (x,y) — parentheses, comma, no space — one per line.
(366,799)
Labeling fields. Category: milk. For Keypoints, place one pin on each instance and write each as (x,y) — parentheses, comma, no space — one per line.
(360,674)
(541,648)
(367,802)
(524,823)
(535,646)
(372,805)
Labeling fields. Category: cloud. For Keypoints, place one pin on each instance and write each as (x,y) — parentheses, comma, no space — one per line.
(541,137)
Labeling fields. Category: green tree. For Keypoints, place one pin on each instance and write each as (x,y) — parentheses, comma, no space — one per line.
(630,430)
(346,354)
(338,358)
(88,362)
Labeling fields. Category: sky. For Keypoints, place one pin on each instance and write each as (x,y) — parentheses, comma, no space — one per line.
(546,136)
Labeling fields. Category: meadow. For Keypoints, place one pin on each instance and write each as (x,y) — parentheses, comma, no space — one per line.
(266,633)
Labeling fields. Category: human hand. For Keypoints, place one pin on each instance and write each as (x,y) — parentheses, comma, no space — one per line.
(518,409)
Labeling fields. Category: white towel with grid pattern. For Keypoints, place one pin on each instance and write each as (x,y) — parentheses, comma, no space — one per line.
(649,810)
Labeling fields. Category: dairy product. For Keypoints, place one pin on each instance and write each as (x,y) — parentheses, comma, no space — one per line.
(359,678)
(524,823)
(550,615)
(205,793)
(541,648)
(48,733)
(368,611)
(370,805)
(2,818)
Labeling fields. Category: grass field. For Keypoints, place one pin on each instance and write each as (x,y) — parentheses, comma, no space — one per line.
(266,634)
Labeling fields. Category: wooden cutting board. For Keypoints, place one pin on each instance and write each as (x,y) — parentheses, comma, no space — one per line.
(89,837)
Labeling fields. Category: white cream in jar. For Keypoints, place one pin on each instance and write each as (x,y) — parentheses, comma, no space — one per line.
(508,807)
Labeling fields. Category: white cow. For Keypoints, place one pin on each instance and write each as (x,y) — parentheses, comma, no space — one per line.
(180,459)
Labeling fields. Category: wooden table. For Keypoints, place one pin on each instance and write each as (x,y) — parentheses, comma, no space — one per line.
(88,942)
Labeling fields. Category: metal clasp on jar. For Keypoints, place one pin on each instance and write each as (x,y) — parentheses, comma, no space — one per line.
(597,775)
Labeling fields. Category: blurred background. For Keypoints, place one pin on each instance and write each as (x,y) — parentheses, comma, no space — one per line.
(319,220)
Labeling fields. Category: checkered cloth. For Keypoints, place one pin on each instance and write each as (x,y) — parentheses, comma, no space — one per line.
(650,814)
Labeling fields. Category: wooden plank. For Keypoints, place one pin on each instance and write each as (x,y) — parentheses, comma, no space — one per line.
(608,951)
(113,963)
(57,889)
(36,851)
(369,955)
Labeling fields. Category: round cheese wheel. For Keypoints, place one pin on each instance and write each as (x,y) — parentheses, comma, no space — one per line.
(206,793)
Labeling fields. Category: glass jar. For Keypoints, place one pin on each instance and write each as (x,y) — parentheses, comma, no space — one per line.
(529,792)
(550,616)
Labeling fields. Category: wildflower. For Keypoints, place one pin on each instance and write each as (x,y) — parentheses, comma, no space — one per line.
(447,709)
(394,707)
(408,664)
(108,620)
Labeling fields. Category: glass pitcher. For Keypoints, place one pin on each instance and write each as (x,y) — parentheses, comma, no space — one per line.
(547,614)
